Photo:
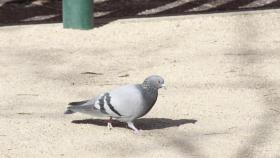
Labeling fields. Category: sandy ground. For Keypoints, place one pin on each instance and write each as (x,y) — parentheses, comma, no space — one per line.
(222,73)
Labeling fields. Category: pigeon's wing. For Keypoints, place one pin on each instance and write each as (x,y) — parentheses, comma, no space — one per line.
(123,102)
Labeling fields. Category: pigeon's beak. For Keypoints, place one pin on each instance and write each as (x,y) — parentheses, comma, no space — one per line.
(163,86)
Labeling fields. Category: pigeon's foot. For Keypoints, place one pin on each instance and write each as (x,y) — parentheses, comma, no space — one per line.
(131,125)
(109,124)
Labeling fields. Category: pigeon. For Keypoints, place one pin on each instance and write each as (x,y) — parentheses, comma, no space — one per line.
(125,103)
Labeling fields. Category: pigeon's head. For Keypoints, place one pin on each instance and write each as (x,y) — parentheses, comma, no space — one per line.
(154,81)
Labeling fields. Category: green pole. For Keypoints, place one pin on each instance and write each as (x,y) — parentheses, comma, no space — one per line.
(77,14)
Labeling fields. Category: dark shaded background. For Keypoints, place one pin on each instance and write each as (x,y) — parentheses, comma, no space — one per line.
(14,12)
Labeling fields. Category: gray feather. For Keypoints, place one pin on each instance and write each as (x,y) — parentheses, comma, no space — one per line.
(77,103)
(149,98)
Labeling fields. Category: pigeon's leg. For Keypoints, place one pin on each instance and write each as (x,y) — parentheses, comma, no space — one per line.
(109,123)
(131,125)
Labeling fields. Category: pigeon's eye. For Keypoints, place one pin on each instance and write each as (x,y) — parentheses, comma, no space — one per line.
(158,81)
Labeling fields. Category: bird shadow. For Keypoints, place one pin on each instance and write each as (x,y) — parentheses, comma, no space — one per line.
(143,123)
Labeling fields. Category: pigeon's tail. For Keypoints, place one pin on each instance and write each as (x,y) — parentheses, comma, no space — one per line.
(73,106)
(69,111)
(77,103)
